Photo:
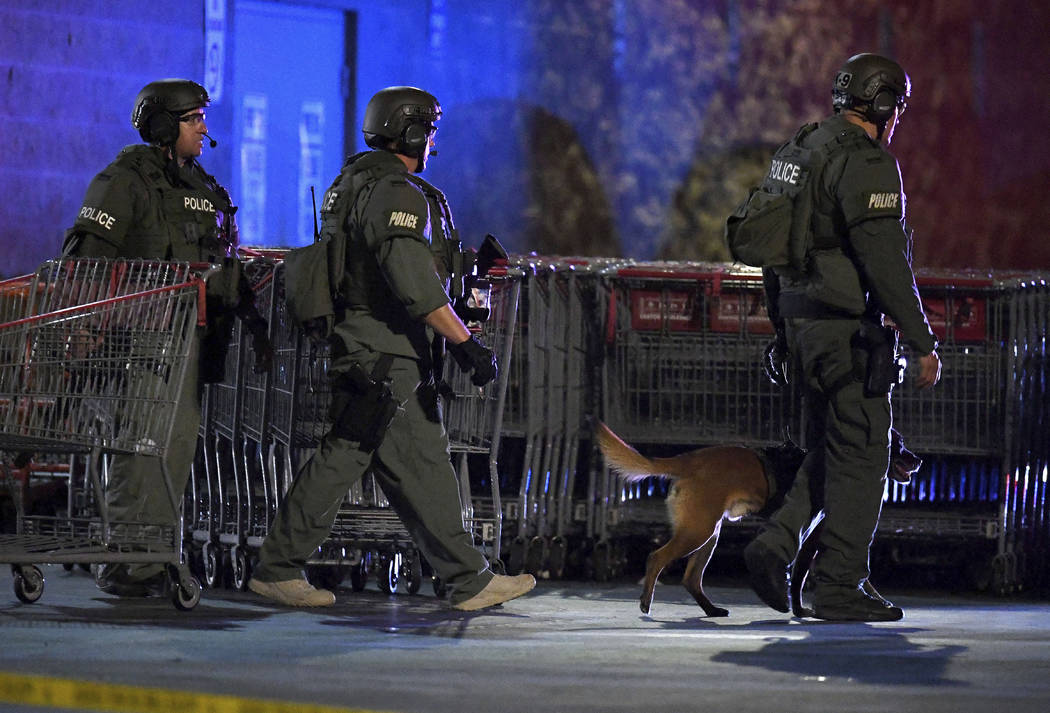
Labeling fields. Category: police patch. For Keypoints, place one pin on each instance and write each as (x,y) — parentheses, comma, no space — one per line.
(199,204)
(401,219)
(96,215)
(884,201)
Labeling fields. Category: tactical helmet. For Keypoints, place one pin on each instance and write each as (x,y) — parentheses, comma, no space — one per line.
(402,114)
(872,85)
(159,104)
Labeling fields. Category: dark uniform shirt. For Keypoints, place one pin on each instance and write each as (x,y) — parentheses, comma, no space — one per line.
(862,245)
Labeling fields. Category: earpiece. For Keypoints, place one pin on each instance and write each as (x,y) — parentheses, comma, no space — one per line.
(883,104)
(156,124)
(414,138)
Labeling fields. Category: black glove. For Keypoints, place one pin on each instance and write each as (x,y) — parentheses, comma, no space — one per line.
(472,355)
(775,361)
(260,345)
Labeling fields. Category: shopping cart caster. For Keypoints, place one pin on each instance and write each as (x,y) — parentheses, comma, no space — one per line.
(536,556)
(557,557)
(241,569)
(326,576)
(412,572)
(212,570)
(440,588)
(359,572)
(602,559)
(185,595)
(183,588)
(388,573)
(516,557)
(28,582)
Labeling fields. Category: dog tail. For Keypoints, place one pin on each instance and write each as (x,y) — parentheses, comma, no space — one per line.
(628,463)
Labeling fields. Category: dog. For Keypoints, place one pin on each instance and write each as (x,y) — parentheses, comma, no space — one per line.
(720,483)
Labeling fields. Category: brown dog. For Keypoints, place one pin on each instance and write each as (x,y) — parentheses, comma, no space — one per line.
(722,483)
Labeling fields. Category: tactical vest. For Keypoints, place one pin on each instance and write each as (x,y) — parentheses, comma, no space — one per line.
(195,214)
(353,187)
(777,226)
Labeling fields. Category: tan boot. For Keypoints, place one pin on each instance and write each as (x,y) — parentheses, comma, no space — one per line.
(293,592)
(501,589)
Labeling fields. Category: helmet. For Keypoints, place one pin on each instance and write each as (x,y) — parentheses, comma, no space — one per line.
(158,105)
(402,114)
(872,85)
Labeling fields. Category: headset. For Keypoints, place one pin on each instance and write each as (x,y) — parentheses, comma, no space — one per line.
(156,124)
(883,104)
(414,138)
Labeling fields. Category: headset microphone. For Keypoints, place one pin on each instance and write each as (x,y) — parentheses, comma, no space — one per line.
(211,142)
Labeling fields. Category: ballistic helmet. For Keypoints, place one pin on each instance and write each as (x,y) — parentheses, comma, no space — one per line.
(871,85)
(159,104)
(402,114)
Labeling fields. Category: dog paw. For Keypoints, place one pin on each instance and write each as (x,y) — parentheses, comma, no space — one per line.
(716,612)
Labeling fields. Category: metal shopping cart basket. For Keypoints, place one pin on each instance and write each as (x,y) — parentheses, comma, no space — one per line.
(93,366)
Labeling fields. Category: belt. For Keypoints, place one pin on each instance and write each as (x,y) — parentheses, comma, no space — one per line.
(801,306)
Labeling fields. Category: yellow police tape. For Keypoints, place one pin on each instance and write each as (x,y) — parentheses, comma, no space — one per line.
(51,692)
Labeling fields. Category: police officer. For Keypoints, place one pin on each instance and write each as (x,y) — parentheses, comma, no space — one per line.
(154,201)
(829,318)
(400,253)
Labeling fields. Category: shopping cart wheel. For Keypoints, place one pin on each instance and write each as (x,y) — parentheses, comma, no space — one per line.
(557,556)
(185,592)
(388,572)
(212,571)
(516,558)
(602,559)
(536,555)
(440,588)
(412,572)
(359,572)
(28,583)
(241,569)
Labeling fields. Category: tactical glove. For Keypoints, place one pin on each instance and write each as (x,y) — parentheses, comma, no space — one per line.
(775,361)
(472,355)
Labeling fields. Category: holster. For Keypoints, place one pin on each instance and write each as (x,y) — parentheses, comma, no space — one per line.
(885,368)
(363,405)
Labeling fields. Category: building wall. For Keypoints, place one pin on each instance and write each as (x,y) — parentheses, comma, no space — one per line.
(594,127)
(69,72)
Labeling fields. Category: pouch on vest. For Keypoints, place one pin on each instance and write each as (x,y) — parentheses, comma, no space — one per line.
(771,228)
(311,275)
(314,274)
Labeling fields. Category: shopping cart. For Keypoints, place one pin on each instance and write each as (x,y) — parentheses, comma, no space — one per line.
(91,367)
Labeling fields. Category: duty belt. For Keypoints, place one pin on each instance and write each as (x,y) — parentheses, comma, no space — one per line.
(803,307)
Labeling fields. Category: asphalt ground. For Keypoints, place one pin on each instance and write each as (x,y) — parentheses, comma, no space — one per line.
(566,647)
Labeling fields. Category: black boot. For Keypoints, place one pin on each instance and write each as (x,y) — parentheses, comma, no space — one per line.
(769,575)
(859,606)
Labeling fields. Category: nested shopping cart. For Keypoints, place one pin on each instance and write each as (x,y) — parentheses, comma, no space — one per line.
(93,355)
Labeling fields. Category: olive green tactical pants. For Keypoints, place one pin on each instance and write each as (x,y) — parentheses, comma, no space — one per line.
(412,467)
(135,491)
(847,436)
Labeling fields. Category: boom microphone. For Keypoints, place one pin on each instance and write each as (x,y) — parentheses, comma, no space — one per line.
(211,142)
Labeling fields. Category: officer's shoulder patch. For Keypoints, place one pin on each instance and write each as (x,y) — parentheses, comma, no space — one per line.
(398,207)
